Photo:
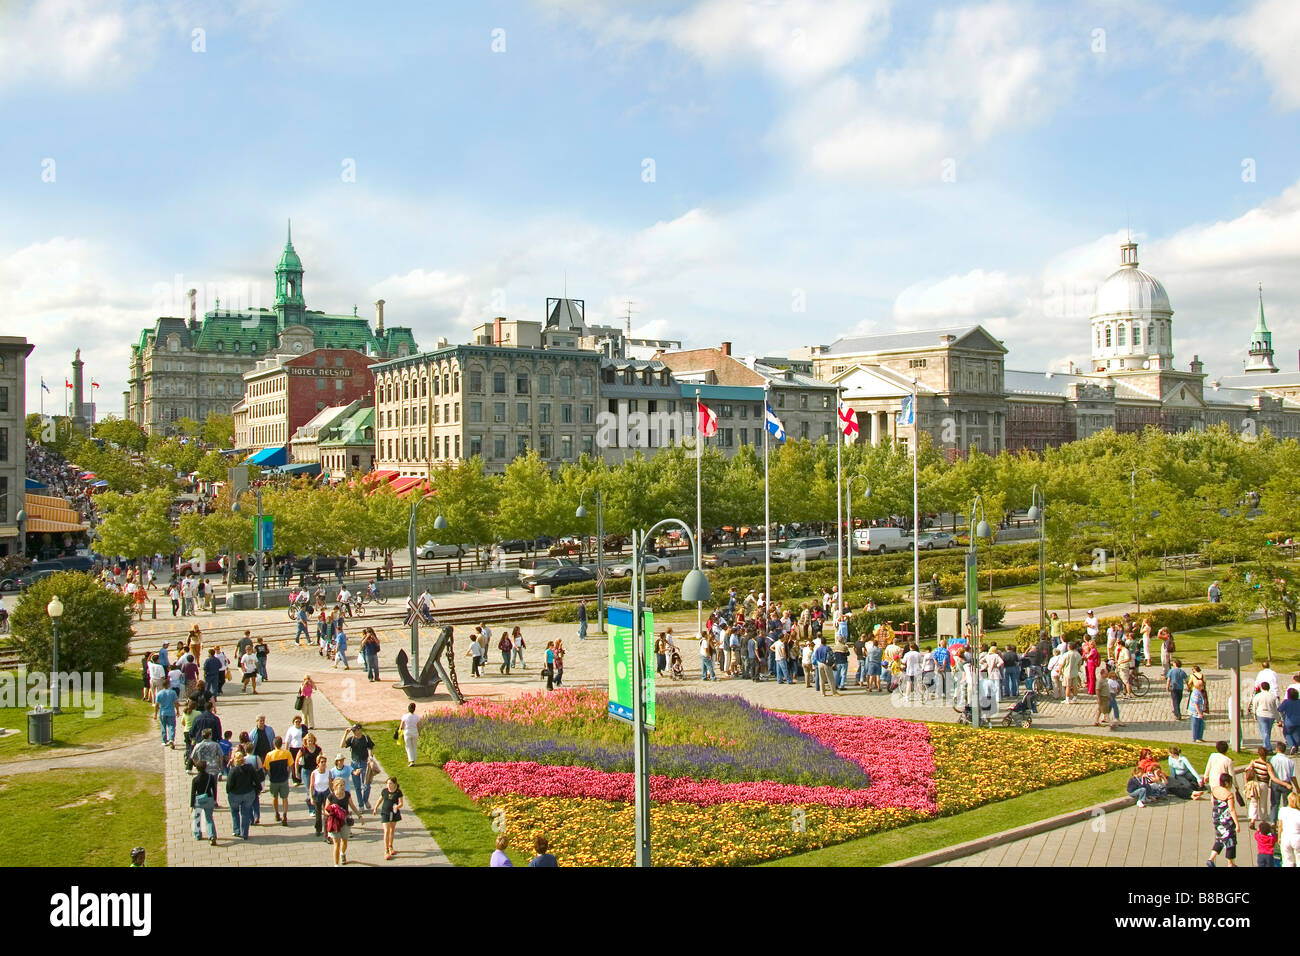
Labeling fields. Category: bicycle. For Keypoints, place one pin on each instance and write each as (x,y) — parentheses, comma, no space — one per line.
(1140,684)
(367,597)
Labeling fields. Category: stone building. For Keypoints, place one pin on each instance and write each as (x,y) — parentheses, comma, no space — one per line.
(190,368)
(14,350)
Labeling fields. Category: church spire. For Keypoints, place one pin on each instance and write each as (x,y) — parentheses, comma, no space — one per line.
(1261,343)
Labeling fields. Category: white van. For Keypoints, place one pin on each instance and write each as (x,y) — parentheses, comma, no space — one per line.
(881,540)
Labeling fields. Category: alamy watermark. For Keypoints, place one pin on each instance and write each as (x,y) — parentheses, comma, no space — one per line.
(77,691)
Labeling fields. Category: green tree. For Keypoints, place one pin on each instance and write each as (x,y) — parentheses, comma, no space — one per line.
(466,497)
(219,430)
(135,526)
(213,466)
(123,433)
(525,504)
(94,632)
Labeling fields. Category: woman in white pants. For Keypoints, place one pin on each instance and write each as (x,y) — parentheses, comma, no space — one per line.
(1288,825)
(410,731)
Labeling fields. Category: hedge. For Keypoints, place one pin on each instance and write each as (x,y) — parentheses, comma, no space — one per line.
(1175,618)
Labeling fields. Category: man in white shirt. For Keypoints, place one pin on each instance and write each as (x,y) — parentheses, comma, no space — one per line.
(345,599)
(248,666)
(1092,625)
(1218,764)
(1269,676)
(782,667)
(912,670)
(706,659)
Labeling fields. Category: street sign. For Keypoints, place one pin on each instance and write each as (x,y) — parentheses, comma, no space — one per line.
(266,534)
(1228,651)
(622,663)
(237,476)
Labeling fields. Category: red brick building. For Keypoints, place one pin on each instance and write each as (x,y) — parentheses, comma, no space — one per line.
(284,392)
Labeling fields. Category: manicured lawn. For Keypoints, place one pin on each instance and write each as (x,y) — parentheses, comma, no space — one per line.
(124,716)
(82,818)
(1200,646)
(458,826)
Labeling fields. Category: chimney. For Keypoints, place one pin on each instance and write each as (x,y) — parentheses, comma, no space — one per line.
(1197,366)
(726,348)
(194,310)
(379,317)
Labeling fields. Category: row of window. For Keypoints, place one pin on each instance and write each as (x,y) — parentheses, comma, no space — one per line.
(611,376)
(1118,332)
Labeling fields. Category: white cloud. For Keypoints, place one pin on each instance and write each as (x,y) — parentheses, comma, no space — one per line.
(1271,32)
(977,295)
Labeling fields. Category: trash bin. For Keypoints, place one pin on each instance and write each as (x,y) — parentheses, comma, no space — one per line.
(40,727)
(542,591)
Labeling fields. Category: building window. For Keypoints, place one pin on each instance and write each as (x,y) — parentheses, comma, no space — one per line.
(1108,336)
(544,414)
(566,447)
(498,446)
(475,381)
(916,363)
(499,383)
(588,414)
(589,386)
(1151,335)
(1120,336)
(456,410)
(726,411)
(4,444)
(424,381)
(424,448)
(435,414)
(826,401)
(4,398)
(521,383)
(475,445)
(803,400)
(744,436)
(543,384)
(566,414)
(544,443)
(521,444)
(780,399)
(566,384)
(1137,335)
(498,412)
(521,413)
(476,412)
(456,438)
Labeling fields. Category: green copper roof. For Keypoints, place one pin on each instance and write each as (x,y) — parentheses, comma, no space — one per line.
(352,430)
(1260,326)
(289,261)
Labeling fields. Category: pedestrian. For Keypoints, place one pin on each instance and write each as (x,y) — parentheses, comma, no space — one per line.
(248,665)
(339,807)
(293,740)
(517,647)
(212,674)
(499,857)
(203,800)
(303,703)
(475,654)
(318,788)
(1288,827)
(241,793)
(1289,709)
(1175,682)
(505,647)
(390,811)
(544,857)
(360,745)
(165,703)
(174,595)
(1254,790)
(1166,639)
(1224,816)
(302,634)
(261,651)
(370,653)
(1264,708)
(559,663)
(279,764)
(1265,844)
(548,672)
(1282,780)
(582,620)
(706,658)
(1196,711)
(341,645)
(409,728)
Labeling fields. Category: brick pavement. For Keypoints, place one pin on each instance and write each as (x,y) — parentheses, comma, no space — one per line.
(271,844)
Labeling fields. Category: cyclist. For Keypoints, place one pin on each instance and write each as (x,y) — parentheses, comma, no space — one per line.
(372,592)
(344,599)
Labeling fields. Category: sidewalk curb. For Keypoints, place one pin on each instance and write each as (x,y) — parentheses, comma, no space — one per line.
(972,847)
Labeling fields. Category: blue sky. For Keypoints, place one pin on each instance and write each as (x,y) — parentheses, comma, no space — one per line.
(886,165)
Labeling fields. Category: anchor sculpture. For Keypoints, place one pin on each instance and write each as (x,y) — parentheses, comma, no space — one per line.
(434,672)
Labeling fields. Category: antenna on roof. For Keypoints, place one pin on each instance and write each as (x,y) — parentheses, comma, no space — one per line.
(629,312)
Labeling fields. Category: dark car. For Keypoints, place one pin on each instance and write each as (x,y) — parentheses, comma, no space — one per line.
(557,576)
(27,579)
(324,564)
(78,562)
(513,545)
(732,556)
(50,564)
(545,541)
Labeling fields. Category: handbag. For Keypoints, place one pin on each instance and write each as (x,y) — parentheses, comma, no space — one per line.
(297,704)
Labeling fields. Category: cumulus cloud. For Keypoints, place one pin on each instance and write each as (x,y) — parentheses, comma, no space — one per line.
(1271,32)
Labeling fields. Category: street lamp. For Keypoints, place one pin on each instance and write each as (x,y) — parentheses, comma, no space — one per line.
(848,499)
(580,514)
(439,524)
(694,588)
(55,610)
(21,520)
(1037,512)
(980,530)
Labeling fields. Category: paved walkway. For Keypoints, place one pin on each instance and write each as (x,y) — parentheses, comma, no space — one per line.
(1170,833)
(271,844)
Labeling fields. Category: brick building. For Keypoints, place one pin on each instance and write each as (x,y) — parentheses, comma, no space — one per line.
(283,393)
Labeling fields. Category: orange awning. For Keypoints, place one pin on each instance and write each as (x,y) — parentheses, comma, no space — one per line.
(45,525)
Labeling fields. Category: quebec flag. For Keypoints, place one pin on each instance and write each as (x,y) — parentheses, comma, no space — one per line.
(907,414)
(774,424)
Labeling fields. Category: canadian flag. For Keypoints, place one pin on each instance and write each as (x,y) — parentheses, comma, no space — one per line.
(708,421)
(849,423)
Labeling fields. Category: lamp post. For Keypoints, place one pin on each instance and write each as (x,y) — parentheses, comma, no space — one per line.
(55,610)
(1037,512)
(848,500)
(261,582)
(21,520)
(439,524)
(694,588)
(600,553)
(972,606)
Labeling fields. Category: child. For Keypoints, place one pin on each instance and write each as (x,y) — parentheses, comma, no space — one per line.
(227,744)
(1265,841)
(1255,791)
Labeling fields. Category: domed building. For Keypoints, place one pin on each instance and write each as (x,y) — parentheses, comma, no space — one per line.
(1131,320)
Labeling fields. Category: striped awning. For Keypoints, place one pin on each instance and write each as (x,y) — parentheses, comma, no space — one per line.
(45,525)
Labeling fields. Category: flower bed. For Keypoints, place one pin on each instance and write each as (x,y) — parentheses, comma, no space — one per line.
(728,787)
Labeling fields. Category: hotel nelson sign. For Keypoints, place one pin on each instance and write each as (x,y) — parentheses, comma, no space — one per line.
(319,372)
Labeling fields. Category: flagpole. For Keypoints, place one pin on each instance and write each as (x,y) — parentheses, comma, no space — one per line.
(699,510)
(839,516)
(767,512)
(916,525)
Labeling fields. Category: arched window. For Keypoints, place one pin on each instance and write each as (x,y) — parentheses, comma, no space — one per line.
(1120,335)
(1137,335)
(406,389)
(1151,334)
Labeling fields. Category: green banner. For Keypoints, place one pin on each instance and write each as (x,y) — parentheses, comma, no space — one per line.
(622,663)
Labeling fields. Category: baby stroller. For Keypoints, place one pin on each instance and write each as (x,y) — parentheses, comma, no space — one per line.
(1022,713)
(675,664)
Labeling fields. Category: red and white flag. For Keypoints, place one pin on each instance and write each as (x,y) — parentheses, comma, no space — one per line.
(848,423)
(708,421)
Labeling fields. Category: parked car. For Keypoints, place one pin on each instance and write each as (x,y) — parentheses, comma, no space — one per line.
(929,540)
(881,540)
(650,564)
(805,549)
(531,567)
(557,576)
(732,556)
(431,550)
(26,579)
(513,546)
(324,563)
(543,542)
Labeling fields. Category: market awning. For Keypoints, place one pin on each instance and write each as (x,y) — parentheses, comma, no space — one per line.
(34,485)
(270,457)
(377,476)
(45,525)
(88,476)
(303,468)
(99,484)
(405,483)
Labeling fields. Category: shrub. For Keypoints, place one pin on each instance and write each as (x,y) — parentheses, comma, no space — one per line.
(1175,618)
(1168,593)
(94,633)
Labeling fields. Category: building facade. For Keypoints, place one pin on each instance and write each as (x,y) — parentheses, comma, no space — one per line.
(492,401)
(191,368)
(14,350)
(284,392)
(347,446)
